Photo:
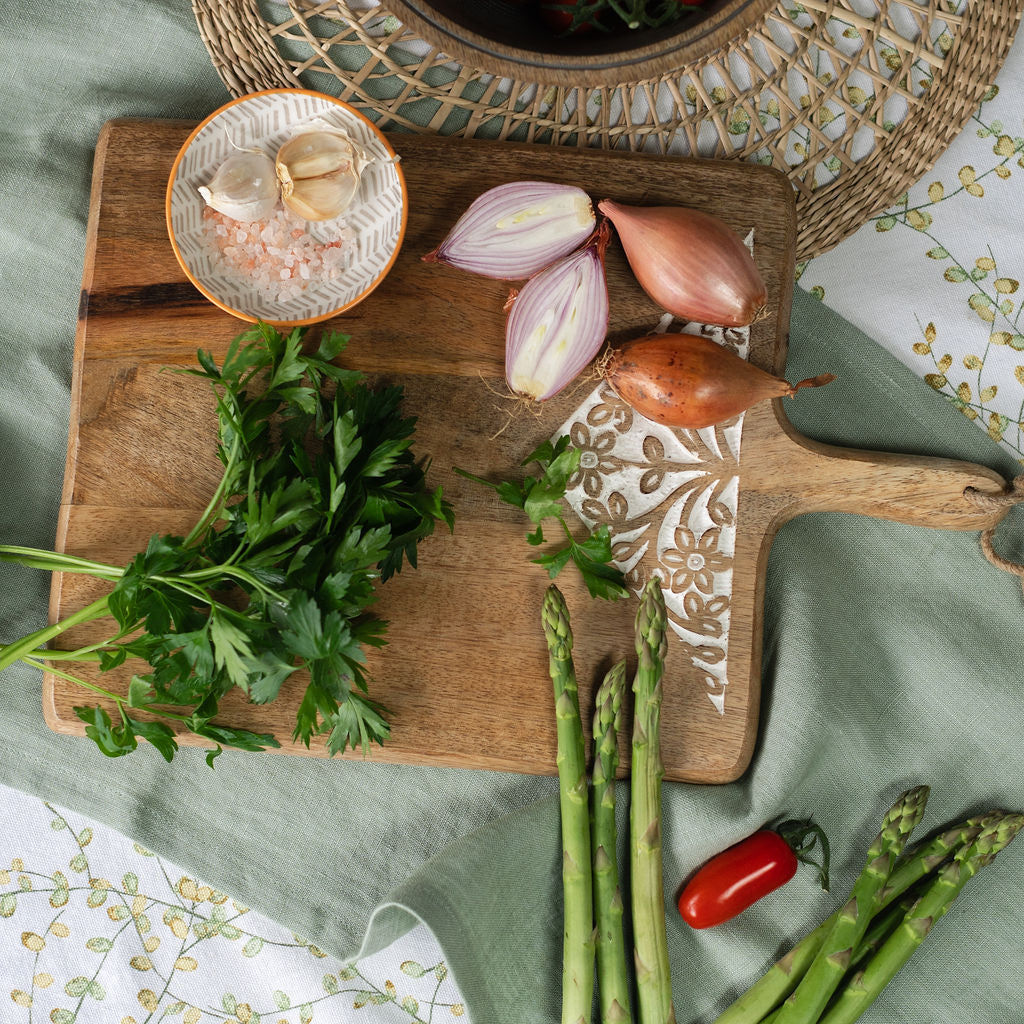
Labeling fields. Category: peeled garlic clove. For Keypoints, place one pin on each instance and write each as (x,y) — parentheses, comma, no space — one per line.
(244,187)
(319,173)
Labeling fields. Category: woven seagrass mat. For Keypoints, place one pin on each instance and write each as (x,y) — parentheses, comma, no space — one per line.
(853,99)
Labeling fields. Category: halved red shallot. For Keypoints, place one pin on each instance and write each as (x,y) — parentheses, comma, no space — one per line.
(687,380)
(691,263)
(558,322)
(513,231)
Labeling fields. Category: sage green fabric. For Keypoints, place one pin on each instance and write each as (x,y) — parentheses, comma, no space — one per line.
(892,654)
(892,657)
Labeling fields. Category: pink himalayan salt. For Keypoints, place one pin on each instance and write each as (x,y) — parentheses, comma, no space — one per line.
(278,254)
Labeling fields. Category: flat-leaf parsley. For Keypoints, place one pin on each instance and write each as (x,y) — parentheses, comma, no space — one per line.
(320,498)
(541,498)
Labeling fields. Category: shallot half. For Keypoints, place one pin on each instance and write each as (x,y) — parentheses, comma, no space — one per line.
(513,231)
(690,263)
(558,322)
(687,380)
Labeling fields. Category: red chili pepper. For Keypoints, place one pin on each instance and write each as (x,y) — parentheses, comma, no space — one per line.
(739,876)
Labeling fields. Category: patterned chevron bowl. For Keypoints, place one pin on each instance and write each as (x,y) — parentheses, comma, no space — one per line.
(374,224)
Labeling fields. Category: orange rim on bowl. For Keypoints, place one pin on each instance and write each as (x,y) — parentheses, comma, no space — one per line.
(220,303)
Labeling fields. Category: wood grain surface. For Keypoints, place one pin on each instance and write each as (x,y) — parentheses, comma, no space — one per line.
(465,674)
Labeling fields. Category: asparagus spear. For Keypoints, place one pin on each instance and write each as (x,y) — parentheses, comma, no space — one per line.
(882,926)
(866,986)
(812,994)
(650,944)
(577,890)
(612,975)
(783,977)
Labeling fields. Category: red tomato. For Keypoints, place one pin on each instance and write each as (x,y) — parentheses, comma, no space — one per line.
(736,878)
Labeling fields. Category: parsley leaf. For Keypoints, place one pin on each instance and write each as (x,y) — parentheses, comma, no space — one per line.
(542,498)
(321,498)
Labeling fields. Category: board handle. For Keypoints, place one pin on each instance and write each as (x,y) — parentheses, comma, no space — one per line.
(918,490)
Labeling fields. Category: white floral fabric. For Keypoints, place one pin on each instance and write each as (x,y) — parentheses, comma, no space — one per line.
(936,278)
(94,929)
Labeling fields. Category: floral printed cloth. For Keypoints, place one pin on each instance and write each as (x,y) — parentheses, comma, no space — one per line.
(95,929)
(936,278)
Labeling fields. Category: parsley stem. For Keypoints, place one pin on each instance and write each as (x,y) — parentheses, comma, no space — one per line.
(43,667)
(197,593)
(150,709)
(568,532)
(55,654)
(91,651)
(225,569)
(120,700)
(27,644)
(213,508)
(474,477)
(57,561)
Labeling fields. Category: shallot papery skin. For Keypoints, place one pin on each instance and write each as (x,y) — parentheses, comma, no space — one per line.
(687,380)
(513,231)
(558,322)
(690,263)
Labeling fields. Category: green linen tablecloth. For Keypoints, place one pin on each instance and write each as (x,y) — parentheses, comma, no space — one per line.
(892,654)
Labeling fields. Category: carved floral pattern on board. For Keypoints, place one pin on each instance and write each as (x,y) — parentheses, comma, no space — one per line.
(669,498)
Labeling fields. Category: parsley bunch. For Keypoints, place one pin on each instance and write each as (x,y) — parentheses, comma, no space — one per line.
(541,499)
(320,497)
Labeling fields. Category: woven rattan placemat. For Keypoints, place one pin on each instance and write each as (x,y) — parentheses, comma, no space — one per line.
(853,99)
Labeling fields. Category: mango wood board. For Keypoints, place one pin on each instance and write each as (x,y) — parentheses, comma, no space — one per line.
(465,674)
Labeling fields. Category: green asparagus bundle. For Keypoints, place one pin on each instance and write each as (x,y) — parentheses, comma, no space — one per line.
(577,882)
(612,972)
(826,970)
(918,890)
(867,985)
(650,944)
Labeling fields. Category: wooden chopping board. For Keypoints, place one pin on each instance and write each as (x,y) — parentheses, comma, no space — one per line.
(465,674)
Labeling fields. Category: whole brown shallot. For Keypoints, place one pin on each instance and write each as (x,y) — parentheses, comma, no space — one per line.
(690,263)
(686,380)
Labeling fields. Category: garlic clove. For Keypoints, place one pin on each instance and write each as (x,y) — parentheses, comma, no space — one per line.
(315,153)
(322,198)
(244,187)
(319,172)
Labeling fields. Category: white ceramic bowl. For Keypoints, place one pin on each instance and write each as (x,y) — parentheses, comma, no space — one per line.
(265,120)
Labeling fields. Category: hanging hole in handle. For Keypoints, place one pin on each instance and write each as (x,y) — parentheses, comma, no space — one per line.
(1012,495)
